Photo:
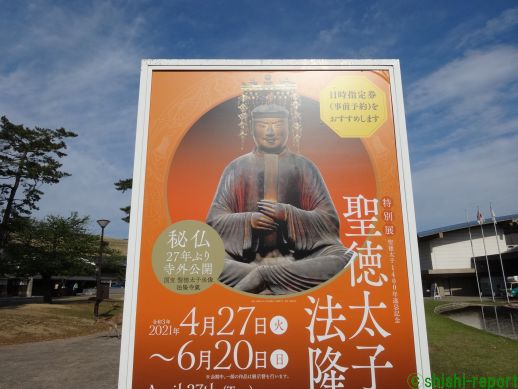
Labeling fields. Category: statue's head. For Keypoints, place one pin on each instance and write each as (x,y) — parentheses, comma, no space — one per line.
(270,127)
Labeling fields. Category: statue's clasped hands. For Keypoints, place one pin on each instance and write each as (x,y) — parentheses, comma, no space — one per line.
(270,212)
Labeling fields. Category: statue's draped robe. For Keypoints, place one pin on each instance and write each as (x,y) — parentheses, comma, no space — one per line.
(304,251)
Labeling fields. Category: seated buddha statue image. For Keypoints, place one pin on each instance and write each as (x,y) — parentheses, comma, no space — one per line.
(275,216)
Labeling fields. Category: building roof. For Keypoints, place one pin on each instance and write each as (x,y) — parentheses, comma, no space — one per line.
(461,226)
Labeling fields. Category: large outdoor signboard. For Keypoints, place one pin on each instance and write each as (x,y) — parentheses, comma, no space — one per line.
(272,239)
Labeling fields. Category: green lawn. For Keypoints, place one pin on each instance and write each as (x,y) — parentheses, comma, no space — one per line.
(457,348)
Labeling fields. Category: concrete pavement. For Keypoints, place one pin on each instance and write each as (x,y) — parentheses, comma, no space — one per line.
(84,362)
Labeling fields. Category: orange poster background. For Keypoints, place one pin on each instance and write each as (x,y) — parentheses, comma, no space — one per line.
(192,136)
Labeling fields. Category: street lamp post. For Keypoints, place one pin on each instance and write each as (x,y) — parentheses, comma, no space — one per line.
(99,296)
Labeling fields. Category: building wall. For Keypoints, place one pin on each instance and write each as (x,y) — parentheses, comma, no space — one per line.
(453,250)
(425,254)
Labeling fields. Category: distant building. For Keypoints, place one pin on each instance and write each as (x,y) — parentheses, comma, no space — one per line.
(448,259)
(62,285)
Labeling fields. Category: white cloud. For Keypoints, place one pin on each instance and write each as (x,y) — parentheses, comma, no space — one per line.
(469,82)
(90,191)
(66,62)
(78,67)
(464,125)
(448,183)
(336,32)
(492,29)
(467,101)
(358,35)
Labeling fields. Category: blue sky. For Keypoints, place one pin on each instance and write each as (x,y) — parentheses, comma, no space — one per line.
(76,64)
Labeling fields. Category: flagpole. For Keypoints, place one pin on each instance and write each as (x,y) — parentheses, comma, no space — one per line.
(481,221)
(499,252)
(473,253)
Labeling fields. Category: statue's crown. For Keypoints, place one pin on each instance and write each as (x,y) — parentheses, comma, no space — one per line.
(283,94)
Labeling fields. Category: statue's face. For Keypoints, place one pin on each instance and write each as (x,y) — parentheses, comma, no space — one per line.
(270,134)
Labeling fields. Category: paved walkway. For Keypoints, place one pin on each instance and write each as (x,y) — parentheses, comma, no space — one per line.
(75,363)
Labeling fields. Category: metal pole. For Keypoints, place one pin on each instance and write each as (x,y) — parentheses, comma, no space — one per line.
(98,295)
(478,284)
(473,253)
(487,262)
(499,252)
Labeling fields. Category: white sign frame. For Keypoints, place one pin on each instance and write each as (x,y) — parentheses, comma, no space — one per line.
(137,199)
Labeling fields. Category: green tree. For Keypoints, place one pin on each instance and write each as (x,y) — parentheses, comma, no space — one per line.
(114,263)
(53,246)
(123,186)
(29,157)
